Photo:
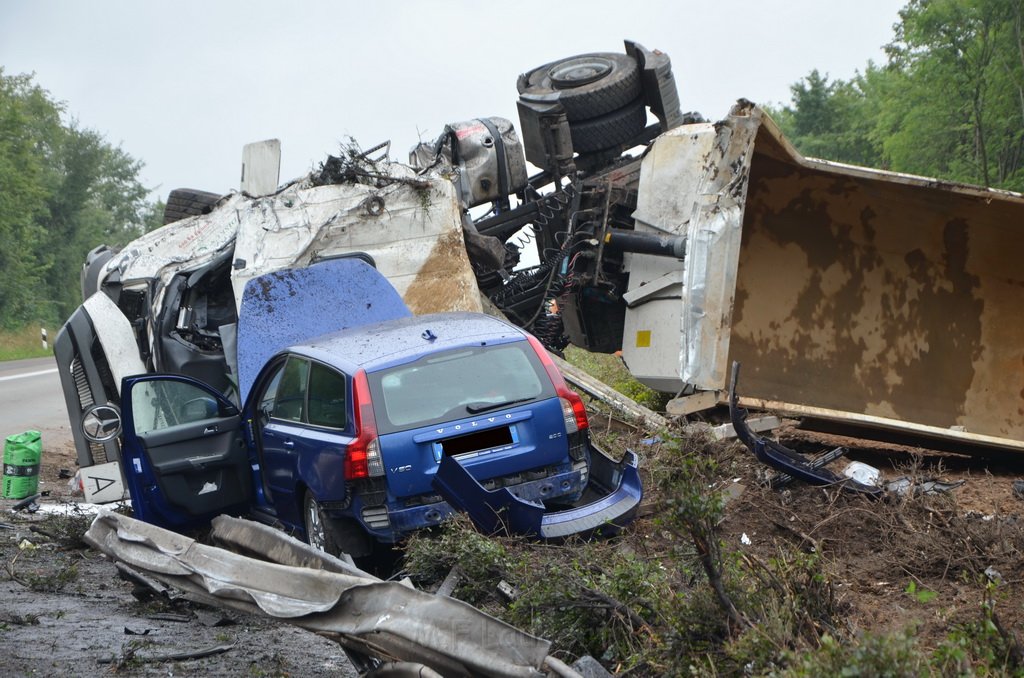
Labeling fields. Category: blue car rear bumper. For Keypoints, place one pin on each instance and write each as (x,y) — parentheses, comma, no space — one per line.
(408,519)
(617,484)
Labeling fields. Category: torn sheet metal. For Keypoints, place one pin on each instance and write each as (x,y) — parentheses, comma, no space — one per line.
(781,458)
(385,620)
(497,510)
(693,182)
(410,226)
(186,244)
(411,229)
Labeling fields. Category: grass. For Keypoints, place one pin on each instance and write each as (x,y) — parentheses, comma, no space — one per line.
(25,343)
(612,371)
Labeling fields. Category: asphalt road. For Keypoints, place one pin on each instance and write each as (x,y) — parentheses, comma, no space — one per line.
(31,398)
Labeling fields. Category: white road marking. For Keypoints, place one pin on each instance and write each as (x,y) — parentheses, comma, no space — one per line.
(29,374)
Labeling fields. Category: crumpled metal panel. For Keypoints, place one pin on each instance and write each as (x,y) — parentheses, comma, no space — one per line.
(185,244)
(501,509)
(412,229)
(383,619)
(712,252)
(115,337)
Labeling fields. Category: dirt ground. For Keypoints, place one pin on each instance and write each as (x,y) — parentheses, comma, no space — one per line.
(64,610)
(882,554)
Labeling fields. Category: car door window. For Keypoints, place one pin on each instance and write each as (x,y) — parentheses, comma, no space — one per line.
(158,405)
(290,400)
(270,390)
(326,400)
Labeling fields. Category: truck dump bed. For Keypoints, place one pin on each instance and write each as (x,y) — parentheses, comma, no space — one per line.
(849,294)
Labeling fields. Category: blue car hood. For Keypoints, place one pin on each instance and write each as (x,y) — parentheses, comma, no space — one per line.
(291,306)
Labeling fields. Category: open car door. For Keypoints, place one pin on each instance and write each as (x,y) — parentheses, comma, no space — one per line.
(185,455)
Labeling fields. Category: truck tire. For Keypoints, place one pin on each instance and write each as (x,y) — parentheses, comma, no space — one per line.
(589,85)
(609,130)
(188,202)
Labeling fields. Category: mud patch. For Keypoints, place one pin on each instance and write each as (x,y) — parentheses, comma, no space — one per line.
(445,282)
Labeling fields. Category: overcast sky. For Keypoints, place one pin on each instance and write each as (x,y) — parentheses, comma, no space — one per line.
(183,84)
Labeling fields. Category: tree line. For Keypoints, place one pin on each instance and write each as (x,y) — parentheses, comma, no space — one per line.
(948,103)
(63,190)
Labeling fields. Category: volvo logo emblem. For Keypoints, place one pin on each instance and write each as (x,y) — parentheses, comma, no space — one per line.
(101,423)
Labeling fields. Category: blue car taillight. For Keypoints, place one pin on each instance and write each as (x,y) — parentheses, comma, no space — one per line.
(574,412)
(363,459)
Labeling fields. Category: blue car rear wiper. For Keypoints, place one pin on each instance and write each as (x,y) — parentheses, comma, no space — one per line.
(477,408)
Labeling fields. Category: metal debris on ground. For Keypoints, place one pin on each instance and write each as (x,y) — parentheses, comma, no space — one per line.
(905,485)
(28,504)
(780,480)
(864,474)
(856,476)
(374,621)
(780,457)
(758,425)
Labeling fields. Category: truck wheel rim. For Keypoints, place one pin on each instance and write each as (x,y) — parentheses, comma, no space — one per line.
(579,72)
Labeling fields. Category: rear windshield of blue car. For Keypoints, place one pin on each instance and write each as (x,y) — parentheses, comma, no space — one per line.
(457,384)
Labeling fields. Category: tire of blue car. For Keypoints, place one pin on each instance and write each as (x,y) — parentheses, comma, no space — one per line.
(335,536)
(317,533)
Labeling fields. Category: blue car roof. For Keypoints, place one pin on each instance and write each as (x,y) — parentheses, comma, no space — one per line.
(393,342)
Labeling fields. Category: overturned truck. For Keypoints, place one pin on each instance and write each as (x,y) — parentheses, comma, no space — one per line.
(859,298)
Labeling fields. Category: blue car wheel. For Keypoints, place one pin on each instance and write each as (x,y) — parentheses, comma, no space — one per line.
(316,528)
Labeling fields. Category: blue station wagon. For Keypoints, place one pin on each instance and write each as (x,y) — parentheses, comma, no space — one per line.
(363,435)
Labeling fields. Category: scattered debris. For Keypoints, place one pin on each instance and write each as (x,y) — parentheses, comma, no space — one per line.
(1018,489)
(862,473)
(596,388)
(132,656)
(28,504)
(374,621)
(781,457)
(171,617)
(905,485)
(758,425)
(686,405)
(447,587)
(780,480)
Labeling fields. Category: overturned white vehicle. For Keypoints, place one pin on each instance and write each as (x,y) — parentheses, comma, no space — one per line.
(862,299)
